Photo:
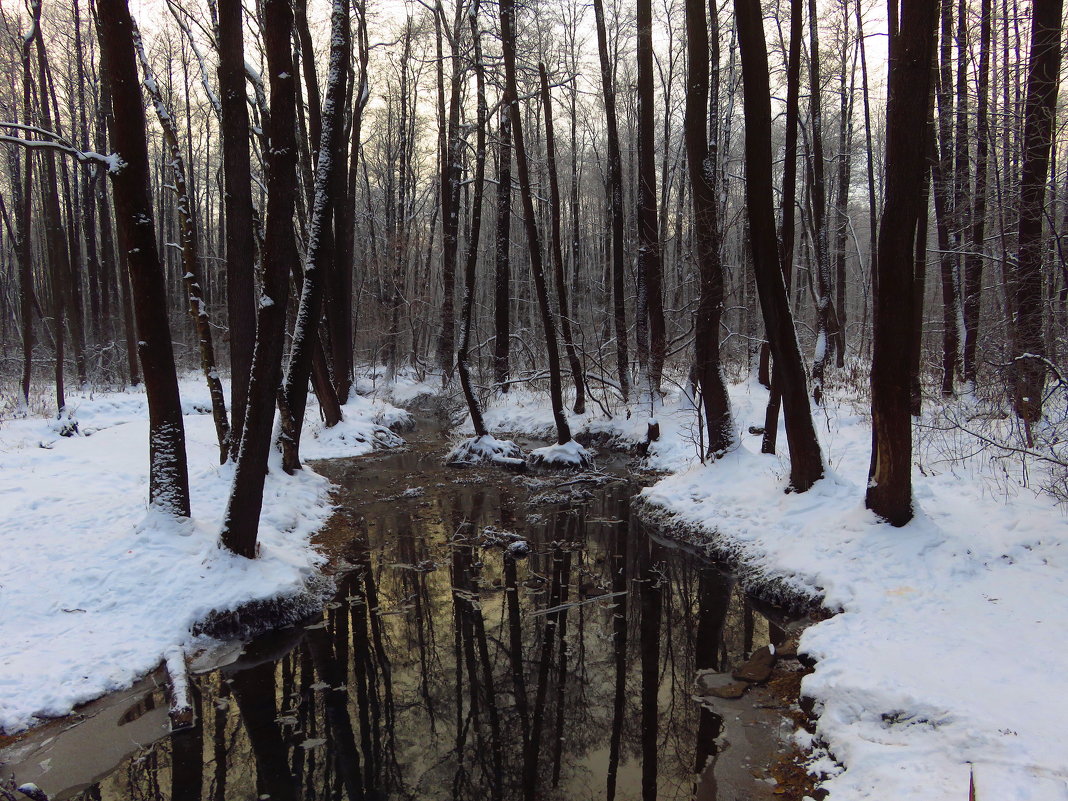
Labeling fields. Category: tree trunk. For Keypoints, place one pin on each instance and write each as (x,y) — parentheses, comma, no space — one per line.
(889,492)
(450,208)
(943,181)
(62,239)
(701,161)
(471,261)
(873,227)
(919,281)
(168,477)
(114,263)
(24,202)
(339,310)
(279,253)
(1029,352)
(191,272)
(789,190)
(502,289)
(842,220)
(973,262)
(615,202)
(317,262)
(650,268)
(557,246)
(819,212)
(237,193)
(806,461)
(530,221)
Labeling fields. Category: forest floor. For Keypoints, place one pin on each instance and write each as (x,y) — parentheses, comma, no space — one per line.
(943,671)
(943,666)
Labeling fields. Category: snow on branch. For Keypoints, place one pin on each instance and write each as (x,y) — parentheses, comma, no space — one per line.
(57,143)
(182,17)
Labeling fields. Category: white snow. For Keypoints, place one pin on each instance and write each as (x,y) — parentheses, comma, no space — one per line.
(485,449)
(570,454)
(174,658)
(944,660)
(945,656)
(95,589)
(406,386)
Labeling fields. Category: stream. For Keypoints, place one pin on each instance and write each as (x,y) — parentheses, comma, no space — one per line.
(494,636)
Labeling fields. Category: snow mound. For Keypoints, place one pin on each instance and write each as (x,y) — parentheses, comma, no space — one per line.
(569,456)
(486,448)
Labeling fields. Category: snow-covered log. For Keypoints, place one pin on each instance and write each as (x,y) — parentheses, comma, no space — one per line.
(181,713)
(569,456)
(486,448)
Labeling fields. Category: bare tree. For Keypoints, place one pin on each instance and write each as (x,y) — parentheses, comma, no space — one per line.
(511,101)
(502,289)
(806,461)
(1043,77)
(889,492)
(191,272)
(471,260)
(168,476)
(238,212)
(973,260)
(556,246)
(789,191)
(818,199)
(317,262)
(241,522)
(651,333)
(703,169)
(615,203)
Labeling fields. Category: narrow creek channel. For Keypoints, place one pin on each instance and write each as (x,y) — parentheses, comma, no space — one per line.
(494,636)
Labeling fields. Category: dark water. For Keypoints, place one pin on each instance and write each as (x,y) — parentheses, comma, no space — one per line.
(493,637)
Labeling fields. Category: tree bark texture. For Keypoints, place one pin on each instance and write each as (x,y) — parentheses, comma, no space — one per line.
(889,492)
(318,261)
(1029,368)
(530,221)
(241,522)
(168,476)
(702,170)
(556,245)
(237,205)
(806,461)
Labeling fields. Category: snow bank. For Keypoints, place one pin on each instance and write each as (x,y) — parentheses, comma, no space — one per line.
(94,589)
(943,658)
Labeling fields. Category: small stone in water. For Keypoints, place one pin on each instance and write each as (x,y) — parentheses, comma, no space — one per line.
(736,689)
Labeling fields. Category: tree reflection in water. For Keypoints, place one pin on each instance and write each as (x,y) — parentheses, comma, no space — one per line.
(564,674)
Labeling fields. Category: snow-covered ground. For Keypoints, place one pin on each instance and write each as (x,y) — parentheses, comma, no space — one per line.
(95,589)
(945,659)
(943,663)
